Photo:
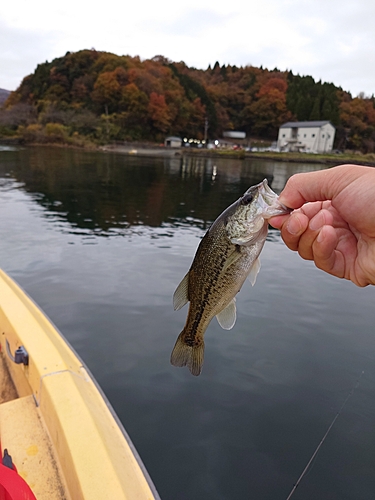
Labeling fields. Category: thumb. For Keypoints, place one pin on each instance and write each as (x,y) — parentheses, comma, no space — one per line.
(318,186)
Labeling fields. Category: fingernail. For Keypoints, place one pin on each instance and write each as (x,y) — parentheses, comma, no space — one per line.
(320,237)
(316,222)
(294,226)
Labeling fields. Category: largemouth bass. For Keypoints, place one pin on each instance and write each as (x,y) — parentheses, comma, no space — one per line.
(226,256)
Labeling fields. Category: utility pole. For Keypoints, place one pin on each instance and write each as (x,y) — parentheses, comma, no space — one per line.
(205,131)
(106,120)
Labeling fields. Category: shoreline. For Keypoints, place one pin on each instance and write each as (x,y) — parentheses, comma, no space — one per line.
(149,149)
(327,159)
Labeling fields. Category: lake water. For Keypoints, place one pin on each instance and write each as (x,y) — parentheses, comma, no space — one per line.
(100,241)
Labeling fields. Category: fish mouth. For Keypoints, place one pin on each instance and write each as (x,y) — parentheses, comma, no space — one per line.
(269,201)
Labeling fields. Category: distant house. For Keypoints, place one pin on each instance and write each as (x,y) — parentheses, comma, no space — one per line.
(314,136)
(173,142)
(234,134)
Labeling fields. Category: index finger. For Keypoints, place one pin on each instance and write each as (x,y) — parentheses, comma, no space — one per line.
(278,221)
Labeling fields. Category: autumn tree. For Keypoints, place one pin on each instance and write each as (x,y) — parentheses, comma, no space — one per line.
(19,114)
(358,119)
(269,111)
(107,91)
(132,116)
(158,112)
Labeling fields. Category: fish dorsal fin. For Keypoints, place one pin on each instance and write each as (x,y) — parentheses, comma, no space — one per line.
(227,317)
(180,296)
(255,268)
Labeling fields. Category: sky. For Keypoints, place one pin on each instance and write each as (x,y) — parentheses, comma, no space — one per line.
(331,40)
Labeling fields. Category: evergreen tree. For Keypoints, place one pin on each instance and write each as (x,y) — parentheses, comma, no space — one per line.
(315,111)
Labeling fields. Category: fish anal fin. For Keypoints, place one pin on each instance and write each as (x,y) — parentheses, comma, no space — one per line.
(227,317)
(188,353)
(180,296)
(255,268)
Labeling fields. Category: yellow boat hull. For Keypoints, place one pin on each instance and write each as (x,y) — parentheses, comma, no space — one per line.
(55,422)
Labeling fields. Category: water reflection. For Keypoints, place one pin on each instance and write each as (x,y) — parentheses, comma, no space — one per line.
(109,194)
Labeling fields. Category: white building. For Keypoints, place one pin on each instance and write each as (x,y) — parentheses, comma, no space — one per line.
(173,142)
(314,137)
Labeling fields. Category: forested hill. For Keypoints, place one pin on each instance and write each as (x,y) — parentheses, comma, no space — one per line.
(110,97)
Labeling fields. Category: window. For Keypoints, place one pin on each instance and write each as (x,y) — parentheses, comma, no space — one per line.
(323,136)
(312,135)
(283,135)
(304,135)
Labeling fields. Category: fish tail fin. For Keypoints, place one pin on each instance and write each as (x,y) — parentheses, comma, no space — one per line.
(188,352)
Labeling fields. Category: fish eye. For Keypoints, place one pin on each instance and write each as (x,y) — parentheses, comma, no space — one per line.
(248,198)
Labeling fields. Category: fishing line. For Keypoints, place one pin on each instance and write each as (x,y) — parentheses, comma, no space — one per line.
(324,437)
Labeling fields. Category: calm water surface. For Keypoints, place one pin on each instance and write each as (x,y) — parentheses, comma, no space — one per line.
(100,241)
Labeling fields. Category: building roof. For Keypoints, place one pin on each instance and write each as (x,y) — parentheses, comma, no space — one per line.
(305,124)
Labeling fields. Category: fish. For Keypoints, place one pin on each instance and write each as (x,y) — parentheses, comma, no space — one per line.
(227,254)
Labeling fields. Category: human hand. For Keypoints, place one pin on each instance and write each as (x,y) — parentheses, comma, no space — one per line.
(333,223)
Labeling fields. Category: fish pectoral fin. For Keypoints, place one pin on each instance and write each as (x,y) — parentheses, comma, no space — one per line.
(227,317)
(232,258)
(180,296)
(255,268)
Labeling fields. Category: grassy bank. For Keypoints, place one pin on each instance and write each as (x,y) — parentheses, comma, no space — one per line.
(328,159)
(149,149)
